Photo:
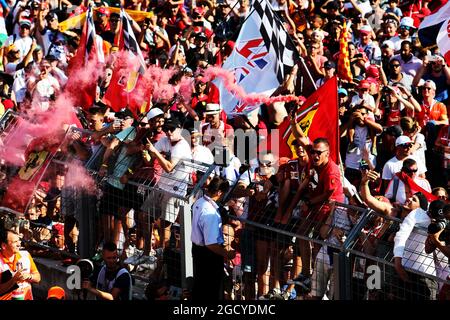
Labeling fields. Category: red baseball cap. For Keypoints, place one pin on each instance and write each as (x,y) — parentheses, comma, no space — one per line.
(372,71)
(364,84)
(57,293)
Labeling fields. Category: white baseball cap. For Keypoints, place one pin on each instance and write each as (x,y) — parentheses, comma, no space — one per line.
(154,113)
(402,140)
(389,44)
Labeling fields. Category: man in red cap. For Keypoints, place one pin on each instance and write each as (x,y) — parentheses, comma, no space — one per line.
(371,49)
(102,21)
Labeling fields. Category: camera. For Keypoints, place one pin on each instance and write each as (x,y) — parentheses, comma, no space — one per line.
(439,213)
(86,268)
(376,62)
(363,165)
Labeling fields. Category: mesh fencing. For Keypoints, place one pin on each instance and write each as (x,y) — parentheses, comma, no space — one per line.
(334,251)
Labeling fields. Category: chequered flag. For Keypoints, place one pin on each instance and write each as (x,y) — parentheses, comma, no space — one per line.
(129,39)
(276,39)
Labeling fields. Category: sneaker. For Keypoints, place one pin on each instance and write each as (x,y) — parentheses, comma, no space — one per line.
(133,260)
(273,294)
(288,295)
(302,282)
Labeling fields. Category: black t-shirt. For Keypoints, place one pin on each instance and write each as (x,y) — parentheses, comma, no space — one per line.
(193,56)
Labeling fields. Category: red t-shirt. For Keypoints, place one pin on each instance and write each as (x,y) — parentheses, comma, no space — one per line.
(329,178)
(434,112)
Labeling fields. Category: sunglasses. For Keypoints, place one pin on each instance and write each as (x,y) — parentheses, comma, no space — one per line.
(265,164)
(405,27)
(405,145)
(395,65)
(318,152)
(426,88)
(169,129)
(409,170)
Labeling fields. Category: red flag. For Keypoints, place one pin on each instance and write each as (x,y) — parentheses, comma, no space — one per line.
(83,86)
(318,118)
(125,91)
(414,187)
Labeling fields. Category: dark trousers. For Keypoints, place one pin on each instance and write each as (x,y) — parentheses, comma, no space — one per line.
(419,288)
(208,274)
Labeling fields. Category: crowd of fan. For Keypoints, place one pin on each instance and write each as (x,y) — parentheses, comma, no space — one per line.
(393,118)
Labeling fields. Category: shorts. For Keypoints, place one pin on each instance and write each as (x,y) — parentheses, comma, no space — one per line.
(163,205)
(322,280)
(112,200)
(135,196)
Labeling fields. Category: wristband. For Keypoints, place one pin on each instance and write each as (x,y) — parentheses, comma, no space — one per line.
(104,165)
(130,171)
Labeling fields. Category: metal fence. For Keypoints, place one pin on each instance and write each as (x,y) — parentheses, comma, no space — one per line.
(334,252)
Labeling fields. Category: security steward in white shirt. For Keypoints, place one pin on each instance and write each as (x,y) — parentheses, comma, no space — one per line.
(208,251)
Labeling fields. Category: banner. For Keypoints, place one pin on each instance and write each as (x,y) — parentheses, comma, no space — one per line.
(262,56)
(318,118)
(435,30)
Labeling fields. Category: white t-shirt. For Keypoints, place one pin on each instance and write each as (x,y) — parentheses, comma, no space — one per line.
(231,172)
(362,140)
(419,154)
(203,154)
(22,44)
(367,98)
(175,181)
(44,89)
(394,165)
(398,42)
(400,197)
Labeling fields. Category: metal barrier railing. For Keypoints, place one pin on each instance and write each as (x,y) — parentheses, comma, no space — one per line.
(322,253)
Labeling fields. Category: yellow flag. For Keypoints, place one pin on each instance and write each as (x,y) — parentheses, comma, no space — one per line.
(78,21)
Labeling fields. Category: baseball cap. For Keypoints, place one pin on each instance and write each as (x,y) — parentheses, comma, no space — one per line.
(154,112)
(342,91)
(365,29)
(171,124)
(51,15)
(329,65)
(103,11)
(194,131)
(35,5)
(395,131)
(57,293)
(388,44)
(200,35)
(372,71)
(364,84)
(124,113)
(436,208)
(25,22)
(402,140)
(212,108)
(407,22)
(51,57)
